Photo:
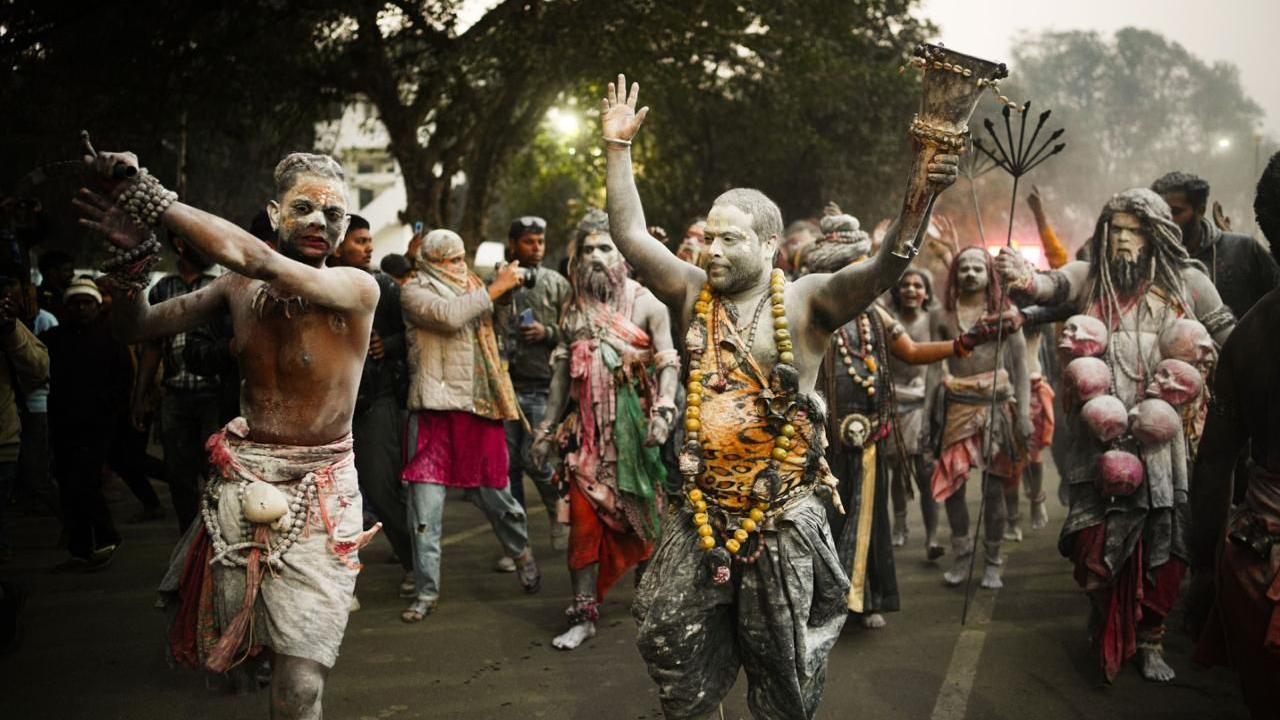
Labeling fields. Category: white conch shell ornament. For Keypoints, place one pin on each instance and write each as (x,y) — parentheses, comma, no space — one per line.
(264,502)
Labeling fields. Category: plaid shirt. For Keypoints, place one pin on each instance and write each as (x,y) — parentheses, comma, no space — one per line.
(176,376)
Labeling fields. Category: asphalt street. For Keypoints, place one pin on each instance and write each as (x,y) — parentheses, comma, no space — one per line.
(93,645)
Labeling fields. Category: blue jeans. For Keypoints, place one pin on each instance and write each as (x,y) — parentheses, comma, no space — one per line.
(426,520)
(520,445)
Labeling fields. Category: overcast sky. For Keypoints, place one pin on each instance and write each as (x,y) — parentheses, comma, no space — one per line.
(1242,32)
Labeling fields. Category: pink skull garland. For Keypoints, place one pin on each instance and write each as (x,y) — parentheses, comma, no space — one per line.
(1106,417)
(1187,340)
(1085,378)
(1177,382)
(1083,336)
(1154,422)
(1120,472)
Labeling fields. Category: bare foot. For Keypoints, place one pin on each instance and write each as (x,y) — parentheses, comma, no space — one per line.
(874,621)
(1039,516)
(574,636)
(1154,668)
(991,577)
(958,572)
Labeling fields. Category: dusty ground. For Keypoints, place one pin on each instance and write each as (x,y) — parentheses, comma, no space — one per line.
(93,645)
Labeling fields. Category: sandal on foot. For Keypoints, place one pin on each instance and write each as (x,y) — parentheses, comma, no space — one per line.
(418,610)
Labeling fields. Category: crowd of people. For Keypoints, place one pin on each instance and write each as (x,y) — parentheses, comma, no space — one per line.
(741,417)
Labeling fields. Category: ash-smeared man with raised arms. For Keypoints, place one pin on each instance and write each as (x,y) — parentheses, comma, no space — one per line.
(745,574)
(282,516)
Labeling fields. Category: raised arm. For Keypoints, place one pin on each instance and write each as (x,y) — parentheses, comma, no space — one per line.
(342,289)
(836,298)
(671,279)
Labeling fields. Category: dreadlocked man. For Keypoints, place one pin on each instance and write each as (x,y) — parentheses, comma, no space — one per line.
(967,419)
(1126,524)
(617,369)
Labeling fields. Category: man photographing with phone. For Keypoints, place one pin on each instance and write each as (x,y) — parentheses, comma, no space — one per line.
(529,324)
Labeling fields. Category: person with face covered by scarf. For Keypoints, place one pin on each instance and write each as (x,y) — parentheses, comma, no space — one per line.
(859,390)
(616,371)
(1129,545)
(459,397)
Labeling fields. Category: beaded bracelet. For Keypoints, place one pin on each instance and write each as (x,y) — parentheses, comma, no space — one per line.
(130,269)
(145,199)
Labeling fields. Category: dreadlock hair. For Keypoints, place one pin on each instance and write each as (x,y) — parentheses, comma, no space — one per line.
(1164,246)
(993,290)
(1266,205)
(926,277)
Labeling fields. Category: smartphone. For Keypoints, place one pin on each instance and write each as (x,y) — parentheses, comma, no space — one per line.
(417,228)
(526,317)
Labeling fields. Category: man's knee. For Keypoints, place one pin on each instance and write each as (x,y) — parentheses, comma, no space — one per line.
(296,688)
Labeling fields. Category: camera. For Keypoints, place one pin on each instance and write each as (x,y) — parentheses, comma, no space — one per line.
(528,276)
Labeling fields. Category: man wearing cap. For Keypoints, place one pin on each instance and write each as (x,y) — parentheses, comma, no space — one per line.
(90,377)
(529,324)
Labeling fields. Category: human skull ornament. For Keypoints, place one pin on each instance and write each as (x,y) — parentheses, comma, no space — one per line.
(1187,340)
(1154,422)
(1176,382)
(1083,336)
(1106,417)
(1119,472)
(1086,378)
(264,502)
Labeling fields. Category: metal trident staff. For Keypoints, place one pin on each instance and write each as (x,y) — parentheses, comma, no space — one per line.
(1017,160)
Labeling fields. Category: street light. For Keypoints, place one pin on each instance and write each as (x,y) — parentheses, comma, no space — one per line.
(563,122)
(1224,143)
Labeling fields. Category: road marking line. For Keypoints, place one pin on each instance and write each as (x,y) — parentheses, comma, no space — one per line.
(953,697)
(469,533)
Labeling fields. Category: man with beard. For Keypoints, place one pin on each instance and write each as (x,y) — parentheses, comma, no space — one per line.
(189,402)
(1126,526)
(860,401)
(274,562)
(616,369)
(1241,268)
(1242,630)
(966,415)
(745,575)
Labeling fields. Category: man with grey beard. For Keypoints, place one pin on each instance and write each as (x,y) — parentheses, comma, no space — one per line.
(1129,544)
(616,370)
(746,575)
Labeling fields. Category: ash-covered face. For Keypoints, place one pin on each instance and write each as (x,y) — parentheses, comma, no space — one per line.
(311,218)
(1083,336)
(971,271)
(912,292)
(738,257)
(601,269)
(1130,252)
(1176,382)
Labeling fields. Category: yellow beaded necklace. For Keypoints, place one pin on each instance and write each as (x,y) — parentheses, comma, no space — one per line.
(754,519)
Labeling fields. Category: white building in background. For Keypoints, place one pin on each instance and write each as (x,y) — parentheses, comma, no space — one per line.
(375,185)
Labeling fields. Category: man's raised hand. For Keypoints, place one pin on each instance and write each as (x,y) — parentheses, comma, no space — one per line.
(620,120)
(943,171)
(109,220)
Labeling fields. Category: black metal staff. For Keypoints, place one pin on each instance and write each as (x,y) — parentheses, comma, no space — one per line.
(975,165)
(1017,160)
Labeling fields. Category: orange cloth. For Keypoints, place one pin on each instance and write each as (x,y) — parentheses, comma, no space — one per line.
(591,542)
(1054,252)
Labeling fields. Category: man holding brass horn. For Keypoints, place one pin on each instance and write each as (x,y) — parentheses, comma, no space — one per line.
(746,574)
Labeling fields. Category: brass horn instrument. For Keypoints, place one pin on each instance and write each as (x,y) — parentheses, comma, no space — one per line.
(953,84)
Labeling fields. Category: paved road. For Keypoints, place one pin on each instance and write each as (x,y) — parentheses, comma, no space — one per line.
(93,646)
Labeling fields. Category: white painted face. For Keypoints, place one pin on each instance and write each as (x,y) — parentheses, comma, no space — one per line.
(1127,238)
(1176,382)
(736,255)
(311,217)
(971,271)
(1083,336)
